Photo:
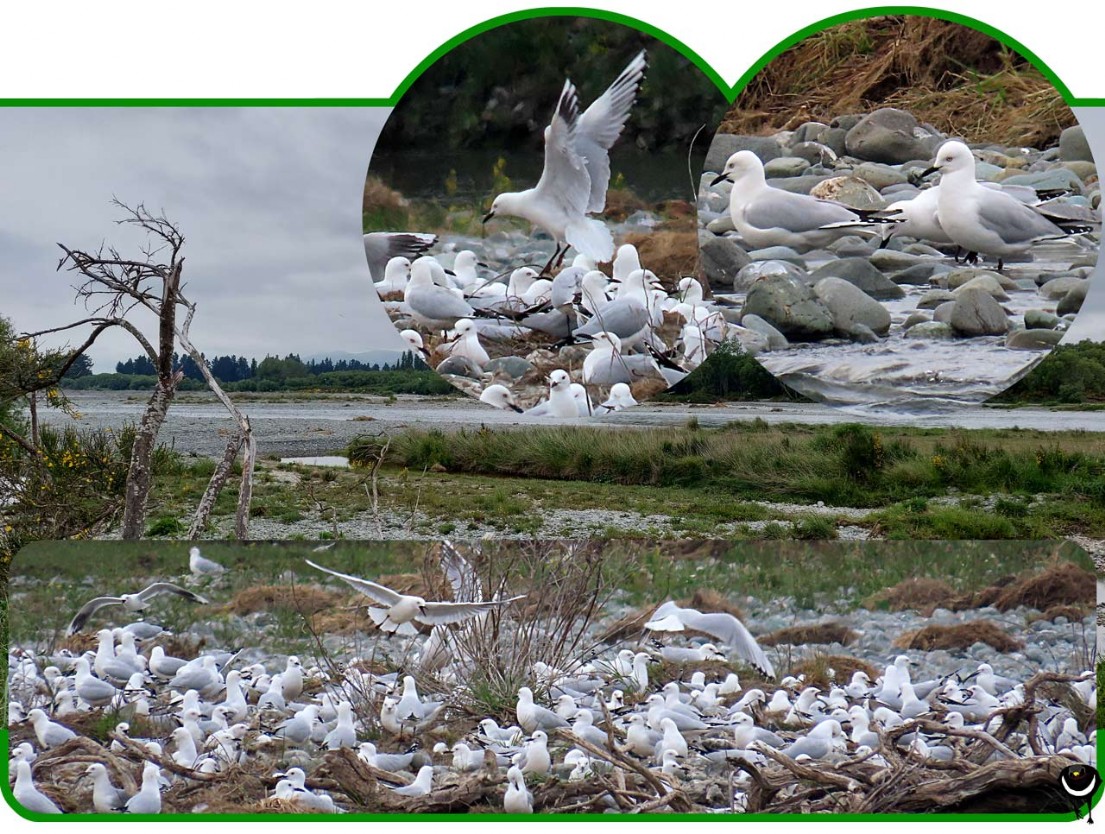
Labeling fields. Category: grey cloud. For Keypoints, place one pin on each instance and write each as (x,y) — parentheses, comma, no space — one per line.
(269,200)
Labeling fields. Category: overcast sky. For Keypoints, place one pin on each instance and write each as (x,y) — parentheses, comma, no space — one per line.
(269,200)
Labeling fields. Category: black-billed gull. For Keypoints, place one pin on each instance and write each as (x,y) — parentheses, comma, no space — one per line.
(499,396)
(403,608)
(981,219)
(517,799)
(27,795)
(767,216)
(380,247)
(200,565)
(577,169)
(106,798)
(725,627)
(132,602)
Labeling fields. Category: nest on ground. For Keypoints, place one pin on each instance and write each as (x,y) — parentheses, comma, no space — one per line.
(1060,584)
(960,636)
(823,670)
(802,635)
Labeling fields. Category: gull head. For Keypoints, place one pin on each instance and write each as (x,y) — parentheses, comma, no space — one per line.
(604,338)
(559,380)
(953,156)
(466,259)
(500,396)
(507,203)
(412,338)
(463,327)
(740,165)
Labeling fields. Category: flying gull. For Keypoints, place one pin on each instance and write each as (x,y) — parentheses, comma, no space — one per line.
(403,608)
(132,602)
(577,169)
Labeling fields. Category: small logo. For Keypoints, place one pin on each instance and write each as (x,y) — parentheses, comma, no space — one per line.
(1079,782)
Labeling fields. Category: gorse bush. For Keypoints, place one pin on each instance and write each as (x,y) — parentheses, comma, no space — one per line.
(73,487)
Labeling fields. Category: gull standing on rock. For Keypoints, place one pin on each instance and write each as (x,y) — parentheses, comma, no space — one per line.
(980,219)
(202,566)
(577,169)
(767,216)
(433,305)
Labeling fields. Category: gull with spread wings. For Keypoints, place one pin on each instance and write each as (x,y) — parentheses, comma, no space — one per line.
(577,169)
(401,609)
(132,602)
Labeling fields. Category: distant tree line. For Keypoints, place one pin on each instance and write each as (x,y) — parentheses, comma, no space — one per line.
(406,375)
(237,368)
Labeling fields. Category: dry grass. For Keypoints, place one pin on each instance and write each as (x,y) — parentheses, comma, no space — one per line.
(919,592)
(1063,583)
(815,633)
(303,598)
(822,670)
(621,203)
(1074,613)
(958,79)
(378,196)
(670,254)
(961,636)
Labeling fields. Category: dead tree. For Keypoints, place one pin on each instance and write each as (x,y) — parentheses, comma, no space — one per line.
(113,286)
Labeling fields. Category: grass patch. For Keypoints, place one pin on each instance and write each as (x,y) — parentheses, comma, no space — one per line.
(962,81)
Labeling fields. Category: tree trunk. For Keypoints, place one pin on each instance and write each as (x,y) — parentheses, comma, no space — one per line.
(34,420)
(245,492)
(244,440)
(140,474)
(214,487)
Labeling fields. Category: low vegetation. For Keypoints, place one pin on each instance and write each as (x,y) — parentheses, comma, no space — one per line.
(960,80)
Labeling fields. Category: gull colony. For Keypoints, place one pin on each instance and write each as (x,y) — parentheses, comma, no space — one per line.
(681,718)
(557,341)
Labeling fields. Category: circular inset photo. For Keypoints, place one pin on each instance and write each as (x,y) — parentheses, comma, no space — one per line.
(529,215)
(908,210)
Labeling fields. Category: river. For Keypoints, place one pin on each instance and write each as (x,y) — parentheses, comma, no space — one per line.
(326,423)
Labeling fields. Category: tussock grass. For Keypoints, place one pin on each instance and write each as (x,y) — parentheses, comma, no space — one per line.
(960,636)
(844,465)
(958,79)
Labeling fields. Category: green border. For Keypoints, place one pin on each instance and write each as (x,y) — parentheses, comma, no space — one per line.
(9,798)
(730,92)
(731,819)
